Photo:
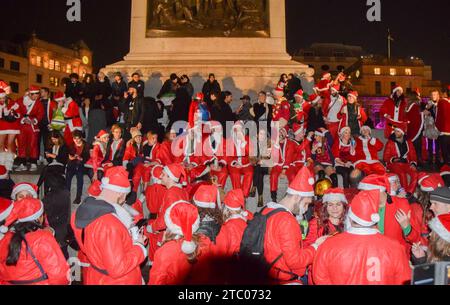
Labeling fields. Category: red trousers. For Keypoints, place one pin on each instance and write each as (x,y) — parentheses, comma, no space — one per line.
(68,139)
(221,176)
(333,128)
(154,241)
(293,171)
(369,169)
(275,176)
(28,140)
(403,170)
(246,183)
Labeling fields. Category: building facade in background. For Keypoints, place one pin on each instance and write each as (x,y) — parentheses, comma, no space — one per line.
(41,63)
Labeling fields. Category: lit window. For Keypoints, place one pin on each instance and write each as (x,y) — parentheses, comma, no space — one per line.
(377,71)
(393,71)
(51,64)
(69,68)
(408,71)
(54,81)
(57,66)
(33,60)
(38,61)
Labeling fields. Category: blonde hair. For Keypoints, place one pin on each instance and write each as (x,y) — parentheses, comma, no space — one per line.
(438,249)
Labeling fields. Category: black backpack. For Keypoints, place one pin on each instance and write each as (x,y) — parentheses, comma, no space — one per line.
(251,253)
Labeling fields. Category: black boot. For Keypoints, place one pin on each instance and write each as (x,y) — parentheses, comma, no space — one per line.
(77,200)
(274,196)
(253,192)
(334,180)
(260,201)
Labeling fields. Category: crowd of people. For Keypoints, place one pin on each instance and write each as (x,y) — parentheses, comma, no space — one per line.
(159,197)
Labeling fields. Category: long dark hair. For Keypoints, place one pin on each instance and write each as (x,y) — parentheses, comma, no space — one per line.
(55,135)
(324,219)
(215,214)
(18,239)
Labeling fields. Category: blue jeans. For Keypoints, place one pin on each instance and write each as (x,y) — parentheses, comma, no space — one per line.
(77,170)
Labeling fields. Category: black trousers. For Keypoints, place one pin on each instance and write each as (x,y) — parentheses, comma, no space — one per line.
(444,142)
(78,171)
(418,147)
(258,178)
(345,173)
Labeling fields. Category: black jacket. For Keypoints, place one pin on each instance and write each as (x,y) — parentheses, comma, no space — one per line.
(62,156)
(208,88)
(57,208)
(75,91)
(151,115)
(103,89)
(222,112)
(180,107)
(293,86)
(315,119)
(135,111)
(117,159)
(118,89)
(6,187)
(140,87)
(96,122)
(85,155)
(168,87)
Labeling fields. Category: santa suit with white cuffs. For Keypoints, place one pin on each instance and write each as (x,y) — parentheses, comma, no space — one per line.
(367,150)
(214,151)
(72,119)
(397,113)
(10,106)
(332,108)
(28,139)
(361,256)
(283,155)
(344,115)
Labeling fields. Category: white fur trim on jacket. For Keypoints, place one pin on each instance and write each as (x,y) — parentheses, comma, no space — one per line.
(437,226)
(370,187)
(7,212)
(33,217)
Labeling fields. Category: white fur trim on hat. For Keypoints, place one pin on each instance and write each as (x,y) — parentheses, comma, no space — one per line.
(298,193)
(188,247)
(5,176)
(4,229)
(170,174)
(204,205)
(370,187)
(397,89)
(375,219)
(33,217)
(445,173)
(437,226)
(334,198)
(7,212)
(106,185)
(23,187)
(351,94)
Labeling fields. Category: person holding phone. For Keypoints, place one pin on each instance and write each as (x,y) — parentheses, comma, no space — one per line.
(78,156)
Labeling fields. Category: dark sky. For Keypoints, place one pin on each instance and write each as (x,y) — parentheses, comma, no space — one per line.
(420,28)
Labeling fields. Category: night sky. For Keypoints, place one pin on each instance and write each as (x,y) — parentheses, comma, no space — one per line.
(420,28)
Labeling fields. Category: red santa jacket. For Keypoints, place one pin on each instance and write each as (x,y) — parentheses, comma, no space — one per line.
(47,252)
(392,151)
(415,120)
(228,241)
(170,266)
(283,154)
(6,109)
(216,154)
(281,110)
(97,156)
(417,212)
(238,155)
(367,150)
(442,116)
(165,156)
(332,108)
(131,153)
(315,232)
(152,157)
(361,257)
(302,152)
(303,113)
(72,116)
(34,111)
(283,237)
(344,117)
(109,247)
(343,152)
(154,195)
(396,113)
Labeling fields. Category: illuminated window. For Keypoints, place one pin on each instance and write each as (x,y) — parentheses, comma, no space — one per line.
(51,64)
(38,61)
(377,71)
(393,71)
(57,66)
(69,68)
(408,71)
(54,81)
(33,60)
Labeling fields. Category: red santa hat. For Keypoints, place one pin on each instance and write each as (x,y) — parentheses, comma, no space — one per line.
(34,89)
(156,174)
(235,200)
(4,85)
(396,88)
(182,219)
(59,96)
(375,182)
(95,188)
(334,195)
(401,127)
(199,96)
(445,170)
(441,226)
(364,208)
(177,173)
(299,93)
(319,133)
(322,85)
(297,128)
(24,186)
(2,93)
(303,184)
(430,182)
(279,90)
(116,180)
(335,88)
(207,197)
(6,207)
(314,98)
(354,94)
(326,75)
(101,134)
(3,172)
(25,210)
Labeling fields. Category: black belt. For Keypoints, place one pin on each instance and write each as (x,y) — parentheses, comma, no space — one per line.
(71,118)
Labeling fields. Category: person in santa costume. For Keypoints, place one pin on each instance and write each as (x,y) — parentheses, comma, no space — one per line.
(179,250)
(283,246)
(28,138)
(133,159)
(366,154)
(323,86)
(174,178)
(281,86)
(29,254)
(208,201)
(6,183)
(71,111)
(445,174)
(281,112)
(443,125)
(101,224)
(300,110)
(330,220)
(165,154)
(332,108)
(10,116)
(24,190)
(344,153)
(238,152)
(361,255)
(95,163)
(397,219)
(394,110)
(214,151)
(321,153)
(353,114)
(6,207)
(154,193)
(400,158)
(301,145)
(415,119)
(439,245)
(150,153)
(115,150)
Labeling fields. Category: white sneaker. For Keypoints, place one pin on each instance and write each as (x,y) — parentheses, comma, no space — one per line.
(33,167)
(21,168)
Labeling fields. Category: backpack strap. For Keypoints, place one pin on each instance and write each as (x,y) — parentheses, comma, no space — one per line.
(43,276)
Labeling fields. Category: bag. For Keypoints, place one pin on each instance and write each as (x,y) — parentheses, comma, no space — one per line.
(58,122)
(252,244)
(430,131)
